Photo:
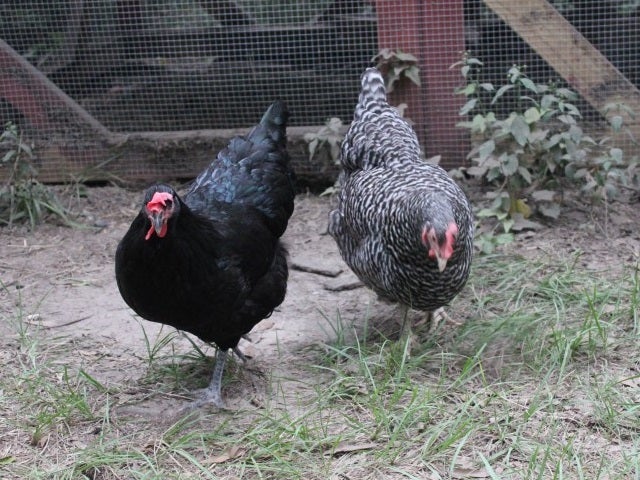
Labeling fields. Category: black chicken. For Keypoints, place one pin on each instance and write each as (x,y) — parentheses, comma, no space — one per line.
(402,225)
(213,264)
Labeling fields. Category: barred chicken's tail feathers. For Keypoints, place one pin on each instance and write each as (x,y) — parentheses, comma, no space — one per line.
(378,135)
(373,92)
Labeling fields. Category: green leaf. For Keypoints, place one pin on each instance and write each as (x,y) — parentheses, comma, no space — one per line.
(385,54)
(572,110)
(611,190)
(509,165)
(8,156)
(468,90)
(538,135)
(486,149)
(514,73)
(485,213)
(548,101)
(568,119)
(413,74)
(576,134)
(484,245)
(616,154)
(313,145)
(488,87)
(566,93)
(528,84)
(504,238)
(532,115)
(480,122)
(405,57)
(553,141)
(476,171)
(493,174)
(468,125)
(525,174)
(580,173)
(467,107)
(520,130)
(501,91)
(507,223)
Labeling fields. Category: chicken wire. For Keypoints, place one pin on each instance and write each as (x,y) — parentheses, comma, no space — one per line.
(611,27)
(181,65)
(178,65)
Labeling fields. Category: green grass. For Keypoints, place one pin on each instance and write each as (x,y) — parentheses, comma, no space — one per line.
(541,382)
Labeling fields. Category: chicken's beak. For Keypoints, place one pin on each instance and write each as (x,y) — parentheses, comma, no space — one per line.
(157,219)
(442,263)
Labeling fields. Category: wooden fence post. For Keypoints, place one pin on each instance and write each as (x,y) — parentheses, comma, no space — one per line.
(433,31)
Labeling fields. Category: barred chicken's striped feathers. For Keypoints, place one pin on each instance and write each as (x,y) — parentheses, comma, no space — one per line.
(388,194)
(378,137)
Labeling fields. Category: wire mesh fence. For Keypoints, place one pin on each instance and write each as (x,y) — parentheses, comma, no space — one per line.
(86,78)
(178,65)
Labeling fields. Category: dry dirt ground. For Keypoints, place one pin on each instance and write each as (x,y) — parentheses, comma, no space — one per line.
(62,279)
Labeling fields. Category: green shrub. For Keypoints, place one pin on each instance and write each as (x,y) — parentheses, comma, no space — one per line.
(22,197)
(528,153)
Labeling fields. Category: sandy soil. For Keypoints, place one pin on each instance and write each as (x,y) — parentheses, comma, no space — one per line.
(63,280)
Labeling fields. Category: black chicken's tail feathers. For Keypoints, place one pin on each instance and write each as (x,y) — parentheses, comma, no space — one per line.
(373,91)
(273,124)
(254,171)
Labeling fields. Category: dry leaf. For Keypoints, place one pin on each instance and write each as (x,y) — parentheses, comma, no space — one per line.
(248,350)
(463,473)
(343,447)
(229,453)
(465,467)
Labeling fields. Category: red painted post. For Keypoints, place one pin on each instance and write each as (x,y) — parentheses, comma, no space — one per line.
(400,28)
(433,31)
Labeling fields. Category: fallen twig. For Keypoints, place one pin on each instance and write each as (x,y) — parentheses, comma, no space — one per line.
(325,272)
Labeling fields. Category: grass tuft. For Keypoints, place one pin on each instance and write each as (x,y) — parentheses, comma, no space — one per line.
(541,382)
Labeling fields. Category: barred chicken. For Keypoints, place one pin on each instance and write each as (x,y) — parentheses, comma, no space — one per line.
(402,225)
(213,263)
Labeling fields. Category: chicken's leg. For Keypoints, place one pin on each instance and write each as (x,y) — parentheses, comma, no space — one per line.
(213,393)
(239,354)
(406,331)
